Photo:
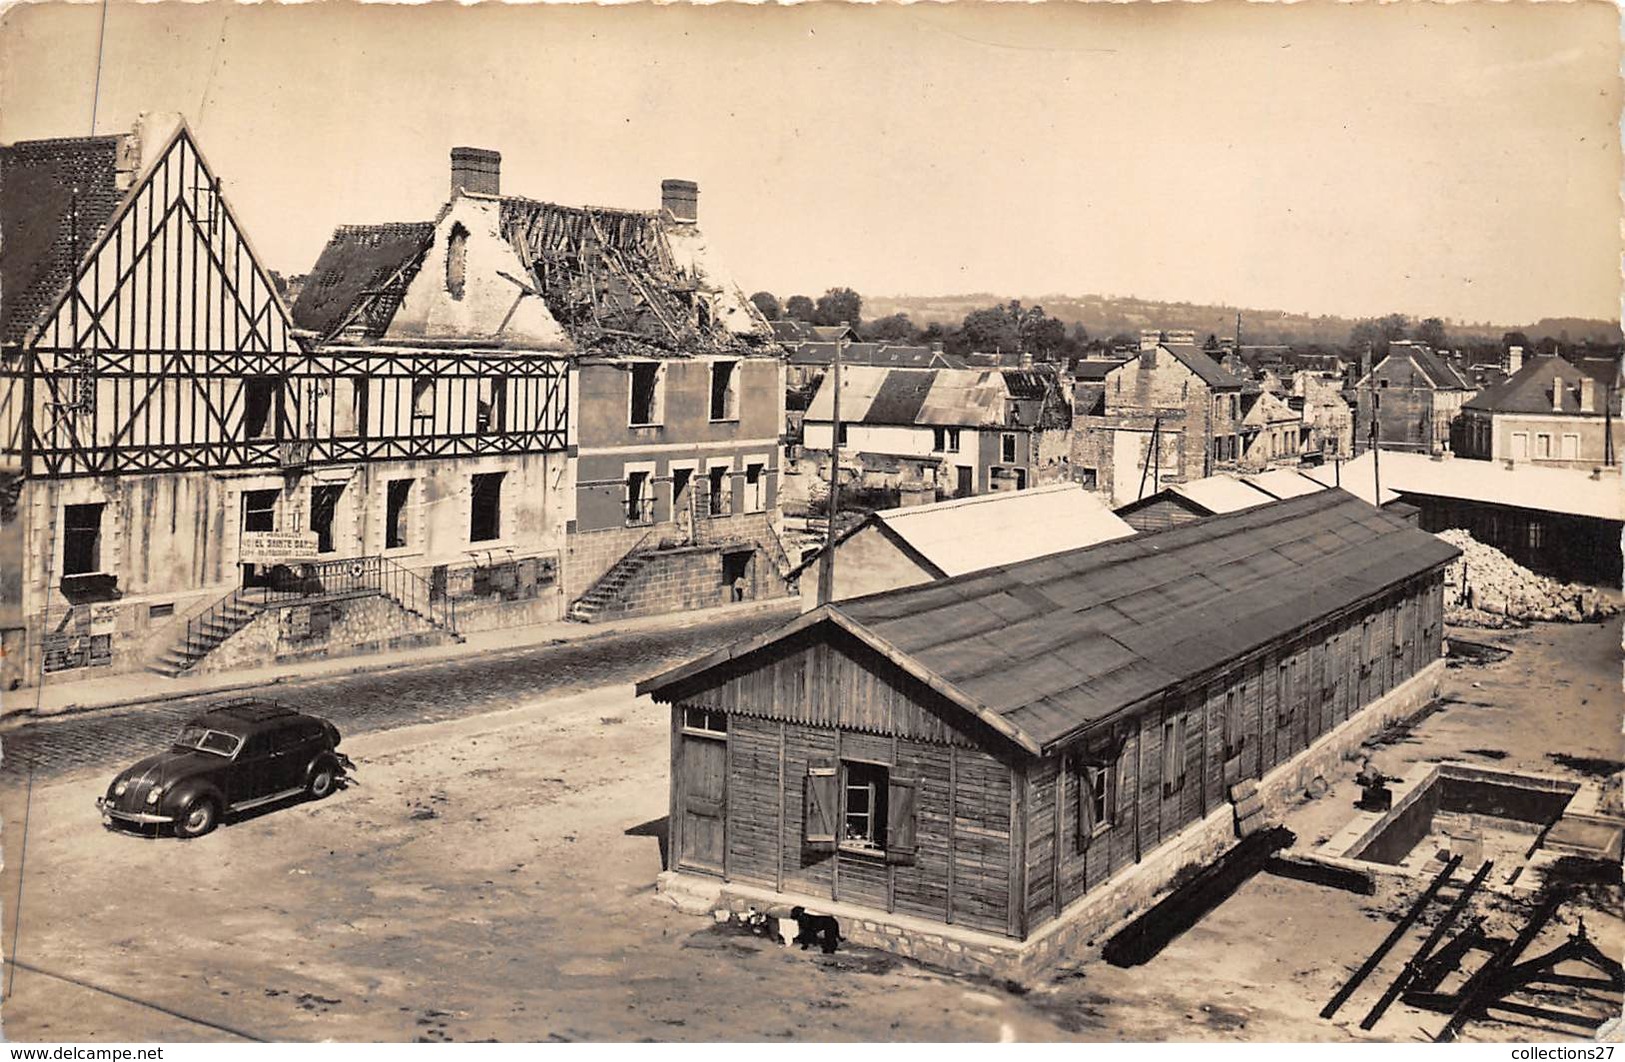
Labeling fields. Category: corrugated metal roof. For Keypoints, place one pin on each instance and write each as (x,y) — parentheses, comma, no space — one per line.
(899,398)
(967,534)
(1043,649)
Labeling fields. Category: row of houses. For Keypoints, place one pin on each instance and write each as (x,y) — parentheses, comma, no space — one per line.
(508,413)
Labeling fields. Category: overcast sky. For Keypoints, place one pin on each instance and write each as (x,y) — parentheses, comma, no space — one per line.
(1459,160)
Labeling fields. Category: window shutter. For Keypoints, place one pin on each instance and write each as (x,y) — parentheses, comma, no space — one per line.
(900,818)
(1085,819)
(821,807)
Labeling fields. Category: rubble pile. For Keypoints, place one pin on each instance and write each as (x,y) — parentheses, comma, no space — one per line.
(1486,588)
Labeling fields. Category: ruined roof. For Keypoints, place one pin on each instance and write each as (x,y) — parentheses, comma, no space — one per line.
(38,233)
(1529,390)
(593,280)
(1044,649)
(358,260)
(1093,369)
(1434,369)
(929,397)
(885,355)
(787,331)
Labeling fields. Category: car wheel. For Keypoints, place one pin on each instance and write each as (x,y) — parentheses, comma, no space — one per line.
(197,818)
(322,779)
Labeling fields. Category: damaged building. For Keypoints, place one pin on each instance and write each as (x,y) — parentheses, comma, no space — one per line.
(914,436)
(667,497)
(200,485)
(986,771)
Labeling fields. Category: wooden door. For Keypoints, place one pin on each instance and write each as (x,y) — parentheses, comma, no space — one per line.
(704,767)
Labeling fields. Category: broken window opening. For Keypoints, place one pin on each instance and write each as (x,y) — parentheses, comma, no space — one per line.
(395,518)
(81,539)
(645,410)
(724,399)
(1008,449)
(423,398)
(718,482)
(485,509)
(705,721)
(259,402)
(640,502)
(259,510)
(456,261)
(491,412)
(324,502)
(755,488)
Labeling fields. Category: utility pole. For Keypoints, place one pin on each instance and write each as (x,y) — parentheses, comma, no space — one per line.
(1376,440)
(826,568)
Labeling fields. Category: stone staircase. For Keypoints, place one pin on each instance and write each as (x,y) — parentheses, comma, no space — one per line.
(590,606)
(200,637)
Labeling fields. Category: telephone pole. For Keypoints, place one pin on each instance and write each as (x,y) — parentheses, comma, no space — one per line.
(826,568)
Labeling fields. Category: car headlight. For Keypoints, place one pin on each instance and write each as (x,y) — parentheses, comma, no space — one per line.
(118,790)
(154,794)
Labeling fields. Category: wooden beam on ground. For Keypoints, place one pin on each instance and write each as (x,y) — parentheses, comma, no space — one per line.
(1394,935)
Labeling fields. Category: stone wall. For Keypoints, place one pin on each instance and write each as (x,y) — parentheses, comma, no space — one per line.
(337,627)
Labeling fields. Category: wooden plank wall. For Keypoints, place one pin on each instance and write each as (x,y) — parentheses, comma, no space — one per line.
(1328,666)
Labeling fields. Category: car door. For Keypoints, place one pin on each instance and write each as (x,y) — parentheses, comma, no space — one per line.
(250,774)
(285,768)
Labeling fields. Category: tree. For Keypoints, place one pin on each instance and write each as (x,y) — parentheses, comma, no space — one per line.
(798,308)
(838,306)
(768,303)
(1011,328)
(1431,331)
(894,328)
(1378,332)
(1515,339)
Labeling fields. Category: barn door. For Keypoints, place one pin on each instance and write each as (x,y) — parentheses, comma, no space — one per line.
(704,767)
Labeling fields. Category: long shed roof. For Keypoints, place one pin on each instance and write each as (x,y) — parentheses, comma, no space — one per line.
(1043,649)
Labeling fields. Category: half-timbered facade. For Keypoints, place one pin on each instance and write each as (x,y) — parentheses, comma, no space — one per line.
(1046,743)
(171,439)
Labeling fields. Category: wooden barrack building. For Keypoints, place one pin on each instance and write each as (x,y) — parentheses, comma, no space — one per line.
(994,750)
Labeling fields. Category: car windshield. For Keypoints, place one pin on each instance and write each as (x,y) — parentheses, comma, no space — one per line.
(206,740)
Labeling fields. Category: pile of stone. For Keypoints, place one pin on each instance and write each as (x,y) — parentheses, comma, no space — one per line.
(1486,588)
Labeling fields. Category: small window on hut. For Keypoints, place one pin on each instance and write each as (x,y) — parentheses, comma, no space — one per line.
(705,721)
(1095,786)
(861,808)
(1286,692)
(1235,734)
(1173,755)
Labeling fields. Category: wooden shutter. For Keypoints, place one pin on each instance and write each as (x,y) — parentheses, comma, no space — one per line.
(821,807)
(1086,806)
(900,818)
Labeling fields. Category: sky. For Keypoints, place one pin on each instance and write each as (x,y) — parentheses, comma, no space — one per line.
(1457,160)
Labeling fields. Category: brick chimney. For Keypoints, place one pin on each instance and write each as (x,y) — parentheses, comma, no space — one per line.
(476,170)
(680,199)
(1557,393)
(1514,359)
(1588,395)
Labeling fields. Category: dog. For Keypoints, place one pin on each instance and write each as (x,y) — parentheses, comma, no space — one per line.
(824,931)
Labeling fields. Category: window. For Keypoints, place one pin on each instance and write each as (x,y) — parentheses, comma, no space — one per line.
(945,440)
(646,379)
(840,434)
(724,400)
(1571,447)
(1520,446)
(640,502)
(160,611)
(81,539)
(491,413)
(1095,786)
(485,509)
(704,721)
(1007,449)
(1235,734)
(350,419)
(395,520)
(1173,755)
(1088,478)
(682,480)
(717,480)
(457,261)
(863,818)
(755,488)
(259,510)
(1536,534)
(259,407)
(423,398)
(323,502)
(1543,446)
(1286,691)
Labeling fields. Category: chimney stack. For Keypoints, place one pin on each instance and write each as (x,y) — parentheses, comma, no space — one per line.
(936,347)
(1514,359)
(680,199)
(477,171)
(1557,393)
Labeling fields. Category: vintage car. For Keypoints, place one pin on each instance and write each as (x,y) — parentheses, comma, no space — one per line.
(238,755)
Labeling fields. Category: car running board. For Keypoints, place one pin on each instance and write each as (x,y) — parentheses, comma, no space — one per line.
(257,801)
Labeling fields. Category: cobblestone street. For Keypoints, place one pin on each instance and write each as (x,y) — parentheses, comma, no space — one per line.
(382,700)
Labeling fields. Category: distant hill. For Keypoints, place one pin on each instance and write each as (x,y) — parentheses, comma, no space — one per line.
(1105,315)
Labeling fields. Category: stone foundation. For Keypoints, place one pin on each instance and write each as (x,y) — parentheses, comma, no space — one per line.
(314,631)
(1104,909)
